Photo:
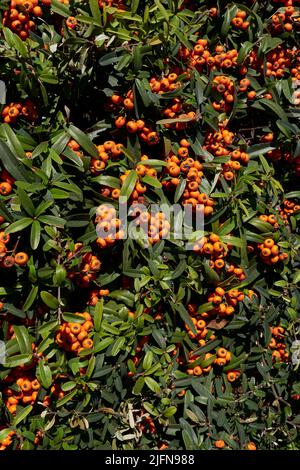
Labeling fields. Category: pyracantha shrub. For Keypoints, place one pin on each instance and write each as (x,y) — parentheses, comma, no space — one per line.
(116,331)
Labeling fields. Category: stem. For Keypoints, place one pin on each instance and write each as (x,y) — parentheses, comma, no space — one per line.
(59,311)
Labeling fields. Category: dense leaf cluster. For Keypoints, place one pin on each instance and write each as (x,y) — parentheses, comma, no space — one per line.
(122,344)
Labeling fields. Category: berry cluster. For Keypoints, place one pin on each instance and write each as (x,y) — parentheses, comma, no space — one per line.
(201,57)
(94,295)
(7,441)
(165,84)
(109,150)
(219,359)
(285,20)
(19,16)
(213,247)
(278,347)
(87,271)
(155,226)
(217,142)
(6,186)
(224,86)
(240,20)
(21,388)
(8,258)
(224,303)
(201,331)
(280,62)
(132,126)
(270,253)
(13,111)
(287,209)
(270,219)
(236,271)
(74,337)
(108,224)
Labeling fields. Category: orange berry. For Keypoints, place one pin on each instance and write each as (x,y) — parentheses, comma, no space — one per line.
(220,444)
(21,258)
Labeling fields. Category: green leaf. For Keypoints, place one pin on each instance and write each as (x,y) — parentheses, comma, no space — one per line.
(73,157)
(182,38)
(154,182)
(52,220)
(134,6)
(109,181)
(59,194)
(19,225)
(229,15)
(170,411)
(232,241)
(60,274)
(147,361)
(73,318)
(48,327)
(55,157)
(268,43)
(13,144)
(31,298)
(271,106)
(225,228)
(45,375)
(21,415)
(23,339)
(66,398)
(5,212)
(118,345)
(259,149)
(179,190)
(35,234)
(211,274)
(49,299)
(179,270)
(103,345)
(15,42)
(83,140)
(98,314)
(185,317)
(42,207)
(91,367)
(144,93)
(153,162)
(11,347)
(12,165)
(261,225)
(124,296)
(4,433)
(70,187)
(15,311)
(245,48)
(236,362)
(138,386)
(26,202)
(205,307)
(152,384)
(61,8)
(129,184)
(67,386)
(265,164)
(41,148)
(162,10)
(88,20)
(94,7)
(16,361)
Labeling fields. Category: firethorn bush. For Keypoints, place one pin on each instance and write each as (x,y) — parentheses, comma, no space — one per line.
(151,341)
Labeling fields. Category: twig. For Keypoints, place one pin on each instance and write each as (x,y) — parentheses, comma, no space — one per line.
(59,311)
